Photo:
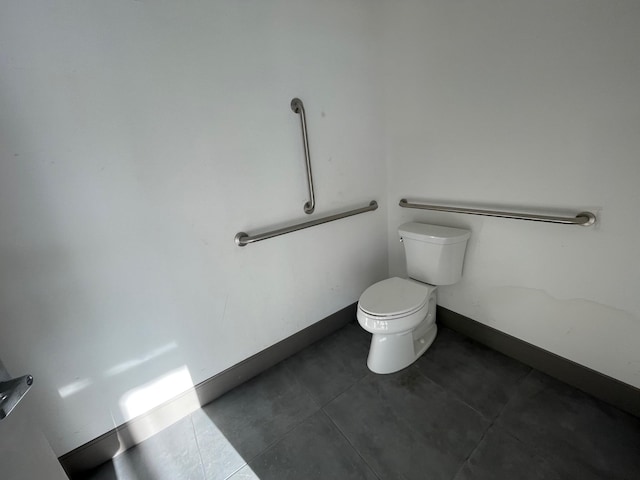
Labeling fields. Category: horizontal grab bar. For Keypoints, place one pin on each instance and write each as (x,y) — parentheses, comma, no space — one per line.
(243,238)
(583,218)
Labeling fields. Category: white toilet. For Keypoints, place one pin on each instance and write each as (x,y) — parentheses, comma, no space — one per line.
(401,313)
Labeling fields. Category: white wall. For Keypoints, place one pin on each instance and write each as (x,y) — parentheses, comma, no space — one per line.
(136,139)
(25,453)
(532,105)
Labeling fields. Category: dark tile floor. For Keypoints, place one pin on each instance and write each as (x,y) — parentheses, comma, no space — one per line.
(461,412)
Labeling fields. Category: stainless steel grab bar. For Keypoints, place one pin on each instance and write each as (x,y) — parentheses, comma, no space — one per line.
(298,107)
(243,238)
(583,218)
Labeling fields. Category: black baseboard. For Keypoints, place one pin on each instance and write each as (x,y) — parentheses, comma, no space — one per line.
(624,396)
(77,462)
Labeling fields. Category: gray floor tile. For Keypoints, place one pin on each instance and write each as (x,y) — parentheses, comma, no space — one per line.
(500,456)
(314,450)
(479,376)
(245,473)
(582,437)
(244,422)
(330,366)
(219,457)
(105,471)
(405,426)
(171,454)
(418,423)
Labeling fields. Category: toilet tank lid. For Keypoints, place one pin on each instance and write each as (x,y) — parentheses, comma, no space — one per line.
(433,233)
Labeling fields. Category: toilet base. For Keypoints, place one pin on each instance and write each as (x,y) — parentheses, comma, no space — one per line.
(391,353)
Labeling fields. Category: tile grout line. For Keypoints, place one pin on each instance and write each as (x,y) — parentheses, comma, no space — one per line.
(373,470)
(235,471)
(320,404)
(326,414)
(484,434)
(273,443)
(492,420)
(449,392)
(508,431)
(535,452)
(195,436)
(292,427)
(343,391)
(514,393)
(284,434)
(304,388)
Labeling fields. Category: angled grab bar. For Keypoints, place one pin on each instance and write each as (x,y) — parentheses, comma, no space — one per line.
(298,108)
(584,219)
(243,238)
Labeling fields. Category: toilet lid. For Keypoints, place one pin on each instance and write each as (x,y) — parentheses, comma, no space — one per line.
(394,296)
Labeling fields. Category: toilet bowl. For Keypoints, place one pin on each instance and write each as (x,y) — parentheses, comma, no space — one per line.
(400,314)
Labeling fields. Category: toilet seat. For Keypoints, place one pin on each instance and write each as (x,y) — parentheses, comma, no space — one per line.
(401,316)
(394,298)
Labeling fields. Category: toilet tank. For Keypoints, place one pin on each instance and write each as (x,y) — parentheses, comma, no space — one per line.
(434,253)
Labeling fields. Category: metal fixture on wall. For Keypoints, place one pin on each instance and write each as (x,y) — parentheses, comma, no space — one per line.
(243,238)
(584,219)
(298,107)
(11,392)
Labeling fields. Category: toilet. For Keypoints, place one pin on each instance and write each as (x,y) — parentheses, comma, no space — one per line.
(400,313)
